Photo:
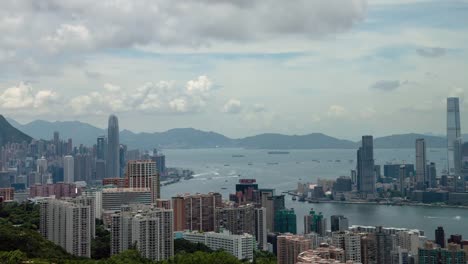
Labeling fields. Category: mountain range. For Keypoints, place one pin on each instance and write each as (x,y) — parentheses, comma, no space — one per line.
(8,133)
(83,133)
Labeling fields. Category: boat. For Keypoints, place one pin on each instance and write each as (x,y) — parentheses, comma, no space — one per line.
(238,156)
(223,188)
(302,199)
(278,152)
(250,164)
(226,165)
(272,163)
(294,198)
(337,160)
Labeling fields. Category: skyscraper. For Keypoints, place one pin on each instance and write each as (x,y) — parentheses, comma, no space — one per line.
(440,236)
(421,174)
(143,174)
(113,148)
(315,222)
(365,166)
(339,223)
(101,148)
(68,169)
(453,130)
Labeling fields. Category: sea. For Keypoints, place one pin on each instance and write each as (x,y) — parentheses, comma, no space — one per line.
(219,169)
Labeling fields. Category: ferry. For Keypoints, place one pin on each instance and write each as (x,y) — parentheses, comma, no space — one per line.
(278,152)
(272,163)
(238,156)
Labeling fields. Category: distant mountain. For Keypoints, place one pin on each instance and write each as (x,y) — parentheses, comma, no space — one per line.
(409,141)
(83,133)
(8,133)
(279,141)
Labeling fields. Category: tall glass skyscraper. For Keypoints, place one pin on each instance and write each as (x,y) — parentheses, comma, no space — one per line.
(365,166)
(453,131)
(421,173)
(113,148)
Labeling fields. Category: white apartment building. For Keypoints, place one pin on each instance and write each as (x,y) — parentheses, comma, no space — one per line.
(69,223)
(147,227)
(241,246)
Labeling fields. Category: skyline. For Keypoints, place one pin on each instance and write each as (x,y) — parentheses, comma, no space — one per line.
(236,76)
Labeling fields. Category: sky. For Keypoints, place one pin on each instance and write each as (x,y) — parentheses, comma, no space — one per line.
(240,68)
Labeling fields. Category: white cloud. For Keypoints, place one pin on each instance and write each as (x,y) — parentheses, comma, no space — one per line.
(233,106)
(336,111)
(23,97)
(160,97)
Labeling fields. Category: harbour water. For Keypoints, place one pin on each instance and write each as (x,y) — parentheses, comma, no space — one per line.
(218,170)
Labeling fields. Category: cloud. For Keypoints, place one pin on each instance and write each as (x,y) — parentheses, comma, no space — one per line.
(336,111)
(23,97)
(431,52)
(160,97)
(233,106)
(65,29)
(387,85)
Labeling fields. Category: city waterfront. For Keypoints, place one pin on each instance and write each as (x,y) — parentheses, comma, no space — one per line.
(218,170)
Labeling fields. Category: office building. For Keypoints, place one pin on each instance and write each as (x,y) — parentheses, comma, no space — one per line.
(114,198)
(160,160)
(148,227)
(68,169)
(285,221)
(83,167)
(315,222)
(440,236)
(453,130)
(113,148)
(421,174)
(196,212)
(143,174)
(42,171)
(289,247)
(431,175)
(393,170)
(365,166)
(240,246)
(402,180)
(272,203)
(69,224)
(101,148)
(338,223)
(100,169)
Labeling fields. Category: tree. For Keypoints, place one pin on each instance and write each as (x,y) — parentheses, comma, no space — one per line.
(100,246)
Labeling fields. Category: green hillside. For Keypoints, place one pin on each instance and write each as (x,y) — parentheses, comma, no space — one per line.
(10,134)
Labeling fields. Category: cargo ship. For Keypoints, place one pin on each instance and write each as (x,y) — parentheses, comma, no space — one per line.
(278,152)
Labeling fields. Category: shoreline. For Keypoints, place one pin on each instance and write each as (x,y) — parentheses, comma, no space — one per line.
(377,203)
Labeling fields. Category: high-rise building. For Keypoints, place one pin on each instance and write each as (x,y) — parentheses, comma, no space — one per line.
(325,254)
(260,228)
(383,243)
(68,169)
(272,203)
(285,221)
(290,246)
(440,236)
(453,130)
(122,159)
(101,148)
(350,242)
(100,170)
(339,223)
(113,148)
(143,174)
(421,174)
(402,180)
(238,220)
(430,254)
(240,246)
(113,198)
(315,222)
(196,212)
(160,160)
(431,175)
(148,227)
(457,156)
(69,224)
(365,166)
